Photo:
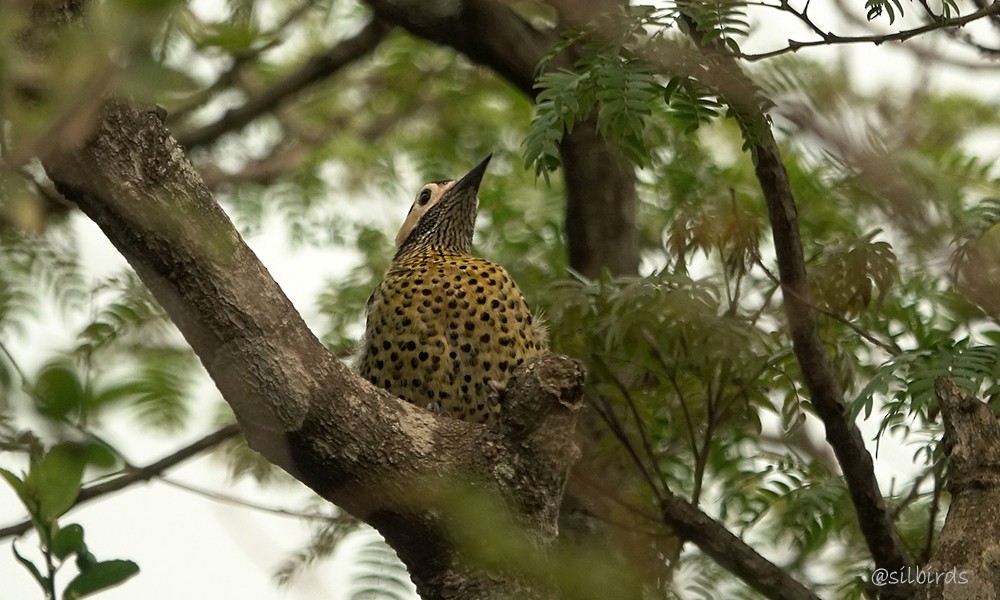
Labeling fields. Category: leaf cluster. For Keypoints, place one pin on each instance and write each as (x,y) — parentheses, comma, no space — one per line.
(47,490)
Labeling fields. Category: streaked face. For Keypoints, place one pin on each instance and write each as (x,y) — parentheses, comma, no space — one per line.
(427,197)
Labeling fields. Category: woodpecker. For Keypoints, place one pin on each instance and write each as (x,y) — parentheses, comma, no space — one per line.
(445,329)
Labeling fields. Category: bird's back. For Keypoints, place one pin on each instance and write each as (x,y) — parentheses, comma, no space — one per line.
(445,331)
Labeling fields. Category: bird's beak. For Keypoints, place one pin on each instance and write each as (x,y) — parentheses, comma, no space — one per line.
(473,178)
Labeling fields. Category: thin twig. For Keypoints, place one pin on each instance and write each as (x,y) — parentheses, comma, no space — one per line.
(893,350)
(607,414)
(831,39)
(235,501)
(138,475)
(640,424)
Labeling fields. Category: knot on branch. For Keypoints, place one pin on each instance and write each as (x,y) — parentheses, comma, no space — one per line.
(544,392)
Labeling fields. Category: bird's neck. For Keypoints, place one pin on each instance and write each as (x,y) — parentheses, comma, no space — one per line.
(430,251)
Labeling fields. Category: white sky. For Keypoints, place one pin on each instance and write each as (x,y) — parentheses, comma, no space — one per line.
(189,546)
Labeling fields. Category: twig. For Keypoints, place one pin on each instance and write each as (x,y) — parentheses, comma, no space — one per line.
(831,39)
(892,350)
(607,414)
(137,475)
(640,424)
(233,500)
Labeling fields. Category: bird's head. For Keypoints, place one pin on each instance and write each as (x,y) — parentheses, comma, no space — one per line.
(443,214)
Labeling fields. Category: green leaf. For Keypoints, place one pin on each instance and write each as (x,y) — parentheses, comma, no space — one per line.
(55,480)
(68,540)
(58,390)
(100,576)
(99,455)
(85,560)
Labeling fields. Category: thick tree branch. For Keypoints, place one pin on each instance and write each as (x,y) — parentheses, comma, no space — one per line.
(314,70)
(297,404)
(137,475)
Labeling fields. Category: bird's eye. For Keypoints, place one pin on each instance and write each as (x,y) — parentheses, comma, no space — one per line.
(424,197)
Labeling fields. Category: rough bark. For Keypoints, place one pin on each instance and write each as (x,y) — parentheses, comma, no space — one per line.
(385,461)
(966,560)
(600,186)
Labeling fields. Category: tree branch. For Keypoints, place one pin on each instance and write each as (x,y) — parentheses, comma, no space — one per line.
(730,552)
(138,475)
(832,39)
(314,70)
(239,61)
(827,398)
(720,72)
(354,444)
